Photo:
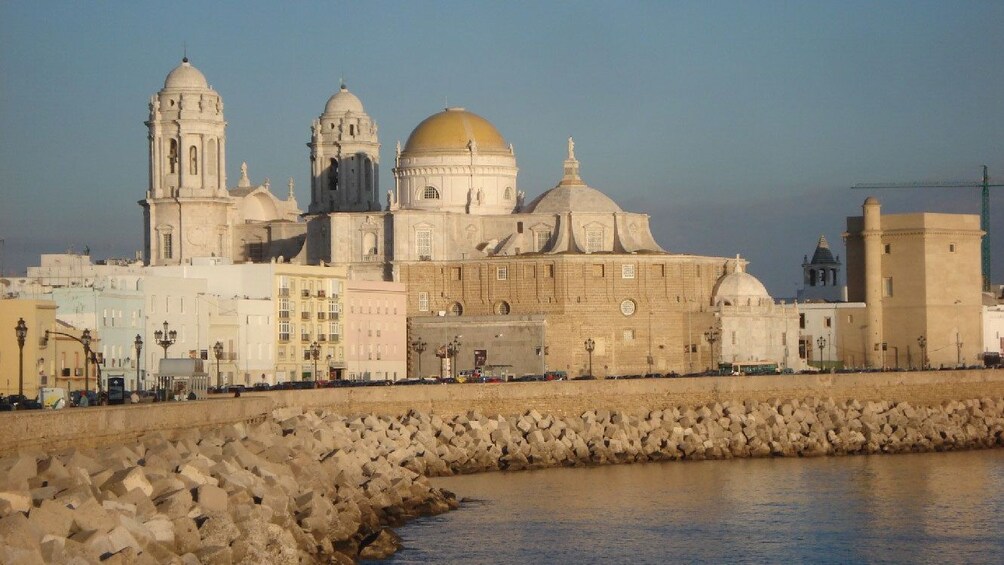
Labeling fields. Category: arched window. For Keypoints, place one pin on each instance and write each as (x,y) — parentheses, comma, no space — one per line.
(430,193)
(456,309)
(172,156)
(352,129)
(812,277)
(508,193)
(193,160)
(333,175)
(369,244)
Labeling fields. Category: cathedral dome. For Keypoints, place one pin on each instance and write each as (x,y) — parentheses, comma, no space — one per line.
(342,102)
(185,76)
(565,198)
(740,288)
(453,130)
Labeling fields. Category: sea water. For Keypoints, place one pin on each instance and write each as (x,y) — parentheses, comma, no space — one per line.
(914,508)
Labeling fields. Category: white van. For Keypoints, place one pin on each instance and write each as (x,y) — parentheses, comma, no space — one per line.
(51,397)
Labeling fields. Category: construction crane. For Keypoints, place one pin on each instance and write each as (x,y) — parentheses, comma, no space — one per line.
(984,209)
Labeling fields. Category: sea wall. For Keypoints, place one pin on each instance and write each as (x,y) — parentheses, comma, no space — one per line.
(98,426)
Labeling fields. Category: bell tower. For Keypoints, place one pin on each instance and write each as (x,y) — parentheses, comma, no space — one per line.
(344,158)
(187,207)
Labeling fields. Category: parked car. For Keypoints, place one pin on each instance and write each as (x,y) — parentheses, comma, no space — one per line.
(584,378)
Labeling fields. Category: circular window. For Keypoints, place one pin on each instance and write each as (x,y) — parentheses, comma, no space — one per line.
(627,307)
(456,309)
(502,308)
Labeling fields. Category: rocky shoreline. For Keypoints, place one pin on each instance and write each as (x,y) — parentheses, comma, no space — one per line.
(319,487)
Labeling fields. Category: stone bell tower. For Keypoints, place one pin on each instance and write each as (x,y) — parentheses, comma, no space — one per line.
(187,208)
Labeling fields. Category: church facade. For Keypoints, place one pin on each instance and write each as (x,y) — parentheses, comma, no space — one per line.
(527,283)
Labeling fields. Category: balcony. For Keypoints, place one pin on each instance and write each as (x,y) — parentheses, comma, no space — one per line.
(283,292)
(321,294)
(334,338)
(321,315)
(322,337)
(284,338)
(284,315)
(304,315)
(305,338)
(333,315)
(305,293)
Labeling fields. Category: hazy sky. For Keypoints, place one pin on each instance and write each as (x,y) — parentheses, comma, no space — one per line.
(738,126)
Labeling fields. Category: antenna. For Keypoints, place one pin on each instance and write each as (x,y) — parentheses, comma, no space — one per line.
(446,100)
(184,49)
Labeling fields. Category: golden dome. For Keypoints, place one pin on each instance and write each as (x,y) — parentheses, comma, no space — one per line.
(453,130)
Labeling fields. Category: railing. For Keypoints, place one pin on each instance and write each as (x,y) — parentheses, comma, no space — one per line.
(333,315)
(304,338)
(305,293)
(321,294)
(321,315)
(321,337)
(304,315)
(334,337)
(284,338)
(284,314)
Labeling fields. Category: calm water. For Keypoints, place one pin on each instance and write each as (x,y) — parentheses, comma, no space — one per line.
(923,508)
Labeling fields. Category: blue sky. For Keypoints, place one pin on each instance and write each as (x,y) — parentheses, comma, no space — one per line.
(738,126)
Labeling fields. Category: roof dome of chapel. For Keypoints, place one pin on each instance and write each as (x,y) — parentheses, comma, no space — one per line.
(185,76)
(453,130)
(738,286)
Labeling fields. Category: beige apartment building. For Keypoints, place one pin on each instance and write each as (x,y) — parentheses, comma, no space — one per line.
(375,339)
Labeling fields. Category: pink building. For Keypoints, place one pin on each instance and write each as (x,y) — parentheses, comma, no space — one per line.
(376,335)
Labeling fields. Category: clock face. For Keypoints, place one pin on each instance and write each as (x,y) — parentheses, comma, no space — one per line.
(627,307)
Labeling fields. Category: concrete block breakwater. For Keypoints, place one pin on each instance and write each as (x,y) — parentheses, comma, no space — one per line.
(315,486)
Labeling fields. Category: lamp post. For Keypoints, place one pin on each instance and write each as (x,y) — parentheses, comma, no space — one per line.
(712,335)
(452,349)
(922,341)
(218,352)
(821,343)
(165,338)
(590,347)
(138,343)
(21,331)
(419,346)
(85,339)
(315,351)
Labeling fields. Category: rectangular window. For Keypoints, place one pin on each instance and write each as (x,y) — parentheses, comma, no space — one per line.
(594,240)
(502,273)
(423,301)
(659,271)
(168,248)
(283,331)
(627,271)
(598,270)
(628,335)
(827,322)
(542,238)
(456,274)
(548,271)
(886,286)
(951,248)
(423,244)
(801,321)
(888,248)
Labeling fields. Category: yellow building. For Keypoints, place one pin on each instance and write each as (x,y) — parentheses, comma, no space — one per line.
(23,371)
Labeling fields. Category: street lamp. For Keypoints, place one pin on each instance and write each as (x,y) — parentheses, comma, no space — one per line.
(821,343)
(419,346)
(85,340)
(315,351)
(165,338)
(21,330)
(590,346)
(712,335)
(218,352)
(138,343)
(452,349)
(922,341)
